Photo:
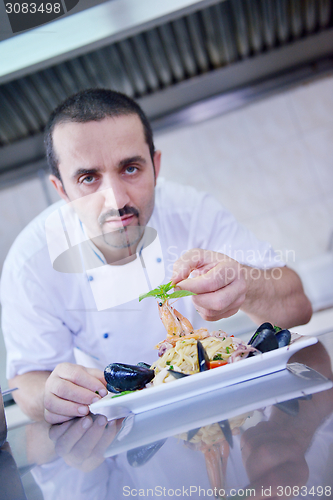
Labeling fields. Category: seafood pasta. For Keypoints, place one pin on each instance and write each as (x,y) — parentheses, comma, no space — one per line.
(186,351)
(182,355)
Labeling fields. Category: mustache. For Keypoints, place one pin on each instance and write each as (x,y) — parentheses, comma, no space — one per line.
(126,210)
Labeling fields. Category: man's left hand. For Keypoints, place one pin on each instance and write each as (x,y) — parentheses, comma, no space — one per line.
(218,281)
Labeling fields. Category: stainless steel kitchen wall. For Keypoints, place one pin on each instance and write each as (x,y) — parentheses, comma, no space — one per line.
(170,65)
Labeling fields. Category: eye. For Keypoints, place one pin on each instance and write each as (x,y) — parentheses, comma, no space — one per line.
(88,179)
(131,169)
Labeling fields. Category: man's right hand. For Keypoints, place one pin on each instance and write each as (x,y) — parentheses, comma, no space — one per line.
(69,390)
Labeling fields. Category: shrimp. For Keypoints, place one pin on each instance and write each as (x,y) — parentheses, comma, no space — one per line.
(174,322)
(200,334)
(216,457)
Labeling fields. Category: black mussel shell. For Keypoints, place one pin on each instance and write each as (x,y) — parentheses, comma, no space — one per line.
(121,377)
(140,456)
(143,364)
(192,433)
(203,358)
(283,337)
(306,397)
(290,407)
(226,429)
(264,326)
(110,388)
(178,374)
(265,341)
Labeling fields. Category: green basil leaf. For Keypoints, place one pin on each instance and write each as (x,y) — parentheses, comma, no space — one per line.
(166,287)
(180,293)
(153,293)
(161,293)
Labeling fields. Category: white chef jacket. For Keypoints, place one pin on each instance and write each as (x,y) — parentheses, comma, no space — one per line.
(50,316)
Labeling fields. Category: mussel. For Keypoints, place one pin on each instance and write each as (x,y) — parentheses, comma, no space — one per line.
(143,364)
(264,340)
(203,362)
(226,429)
(290,407)
(121,377)
(264,326)
(178,374)
(192,433)
(283,337)
(141,455)
(203,359)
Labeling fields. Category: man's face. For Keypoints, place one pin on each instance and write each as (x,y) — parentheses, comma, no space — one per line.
(108,175)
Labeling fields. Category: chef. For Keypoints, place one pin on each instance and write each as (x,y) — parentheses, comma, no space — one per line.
(71,281)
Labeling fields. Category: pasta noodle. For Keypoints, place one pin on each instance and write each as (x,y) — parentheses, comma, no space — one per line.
(183,356)
(210,434)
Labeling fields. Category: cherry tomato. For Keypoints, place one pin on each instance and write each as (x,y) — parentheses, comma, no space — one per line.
(217,362)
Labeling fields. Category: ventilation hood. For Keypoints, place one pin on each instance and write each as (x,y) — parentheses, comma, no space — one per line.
(86,31)
(166,54)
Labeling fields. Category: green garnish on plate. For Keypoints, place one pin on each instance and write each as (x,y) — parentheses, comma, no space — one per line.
(217,357)
(122,394)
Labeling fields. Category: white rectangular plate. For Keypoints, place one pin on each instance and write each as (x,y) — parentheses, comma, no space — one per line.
(225,403)
(200,383)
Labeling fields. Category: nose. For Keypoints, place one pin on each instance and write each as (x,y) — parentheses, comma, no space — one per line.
(115,195)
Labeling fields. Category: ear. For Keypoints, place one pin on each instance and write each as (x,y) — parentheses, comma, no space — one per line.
(58,186)
(157,163)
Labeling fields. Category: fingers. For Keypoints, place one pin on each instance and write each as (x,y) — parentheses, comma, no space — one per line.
(222,303)
(81,438)
(97,455)
(217,280)
(83,442)
(69,391)
(56,431)
(81,377)
(216,316)
(97,374)
(59,410)
(223,299)
(213,278)
(190,260)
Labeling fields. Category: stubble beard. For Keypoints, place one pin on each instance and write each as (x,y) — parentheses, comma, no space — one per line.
(125,237)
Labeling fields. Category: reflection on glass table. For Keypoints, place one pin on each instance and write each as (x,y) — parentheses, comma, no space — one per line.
(269,437)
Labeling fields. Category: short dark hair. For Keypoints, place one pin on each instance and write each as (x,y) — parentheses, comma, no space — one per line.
(93,105)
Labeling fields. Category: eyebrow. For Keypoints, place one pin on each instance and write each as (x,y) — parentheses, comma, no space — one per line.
(122,164)
(133,159)
(82,171)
